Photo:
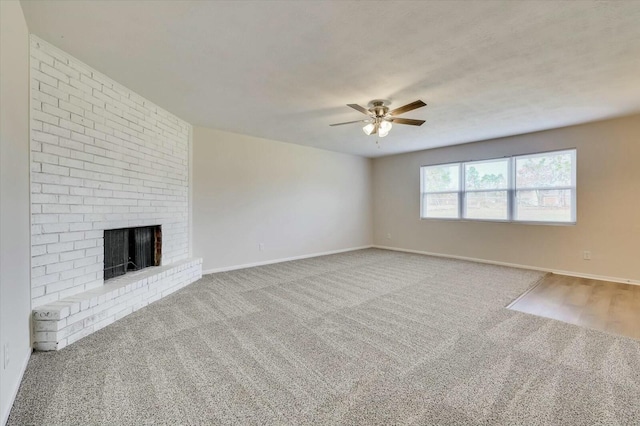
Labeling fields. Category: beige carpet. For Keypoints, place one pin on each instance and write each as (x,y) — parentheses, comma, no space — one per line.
(367,337)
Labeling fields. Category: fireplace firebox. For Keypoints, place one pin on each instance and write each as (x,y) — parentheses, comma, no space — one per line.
(131,249)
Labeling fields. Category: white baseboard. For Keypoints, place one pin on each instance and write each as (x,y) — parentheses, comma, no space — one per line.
(283,259)
(5,416)
(515,265)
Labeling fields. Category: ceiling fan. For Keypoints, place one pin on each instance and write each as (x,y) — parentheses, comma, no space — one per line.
(380,117)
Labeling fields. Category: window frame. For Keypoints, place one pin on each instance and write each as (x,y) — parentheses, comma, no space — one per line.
(510,190)
(464,191)
(447,191)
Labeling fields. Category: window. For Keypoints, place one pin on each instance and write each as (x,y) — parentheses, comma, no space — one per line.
(486,187)
(545,187)
(525,188)
(441,189)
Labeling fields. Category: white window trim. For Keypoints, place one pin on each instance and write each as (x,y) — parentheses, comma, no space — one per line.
(510,190)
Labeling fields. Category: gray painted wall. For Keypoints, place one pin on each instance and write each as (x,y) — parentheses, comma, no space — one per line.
(15,241)
(295,200)
(608,204)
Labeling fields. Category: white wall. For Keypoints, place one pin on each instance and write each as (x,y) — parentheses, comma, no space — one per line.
(14,201)
(296,200)
(608,204)
(103,157)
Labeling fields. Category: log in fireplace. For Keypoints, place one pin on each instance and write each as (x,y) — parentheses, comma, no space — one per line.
(131,249)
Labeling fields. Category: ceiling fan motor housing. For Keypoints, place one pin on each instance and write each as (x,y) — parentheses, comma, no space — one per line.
(378,108)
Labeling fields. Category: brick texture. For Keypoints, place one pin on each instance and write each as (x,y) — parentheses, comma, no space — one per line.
(103,157)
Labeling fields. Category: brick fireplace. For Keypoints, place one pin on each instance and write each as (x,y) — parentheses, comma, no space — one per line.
(104,159)
(131,249)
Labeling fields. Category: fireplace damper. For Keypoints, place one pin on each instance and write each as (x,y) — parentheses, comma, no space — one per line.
(131,249)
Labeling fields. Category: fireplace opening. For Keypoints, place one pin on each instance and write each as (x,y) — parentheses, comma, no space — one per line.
(131,249)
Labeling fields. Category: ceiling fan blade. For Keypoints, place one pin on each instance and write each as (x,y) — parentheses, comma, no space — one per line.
(409,121)
(349,122)
(407,108)
(359,108)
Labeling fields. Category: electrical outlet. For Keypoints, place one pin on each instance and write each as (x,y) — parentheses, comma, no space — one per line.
(586,255)
(388,235)
(5,350)
(261,246)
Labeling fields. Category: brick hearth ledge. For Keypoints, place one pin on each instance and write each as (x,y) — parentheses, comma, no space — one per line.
(65,321)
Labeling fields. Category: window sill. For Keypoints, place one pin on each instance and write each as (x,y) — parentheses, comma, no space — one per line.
(514,222)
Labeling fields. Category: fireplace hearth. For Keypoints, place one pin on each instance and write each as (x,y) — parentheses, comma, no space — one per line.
(131,249)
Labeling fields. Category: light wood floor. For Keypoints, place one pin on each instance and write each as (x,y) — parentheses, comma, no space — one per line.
(601,305)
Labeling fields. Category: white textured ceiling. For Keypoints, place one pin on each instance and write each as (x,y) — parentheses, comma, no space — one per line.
(284,70)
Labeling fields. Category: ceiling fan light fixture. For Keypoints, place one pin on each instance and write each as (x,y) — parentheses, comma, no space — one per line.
(385,126)
(369,129)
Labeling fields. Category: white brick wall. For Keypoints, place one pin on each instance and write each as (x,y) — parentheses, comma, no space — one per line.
(102,158)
